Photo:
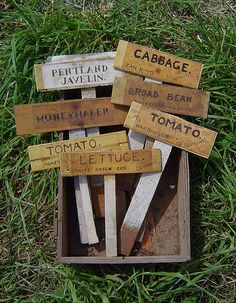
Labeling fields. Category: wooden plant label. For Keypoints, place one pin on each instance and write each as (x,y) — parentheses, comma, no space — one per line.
(170,129)
(81,71)
(155,64)
(45,156)
(106,163)
(64,115)
(167,98)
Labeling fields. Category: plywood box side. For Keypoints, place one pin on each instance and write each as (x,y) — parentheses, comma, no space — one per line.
(123,260)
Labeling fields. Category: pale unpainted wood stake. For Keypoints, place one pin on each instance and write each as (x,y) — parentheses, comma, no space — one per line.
(73,134)
(137,141)
(110,216)
(87,227)
(145,191)
(109,199)
(141,201)
(78,195)
(97,184)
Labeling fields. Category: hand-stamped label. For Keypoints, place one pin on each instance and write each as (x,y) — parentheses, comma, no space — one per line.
(64,115)
(75,74)
(45,156)
(155,64)
(170,129)
(167,98)
(105,163)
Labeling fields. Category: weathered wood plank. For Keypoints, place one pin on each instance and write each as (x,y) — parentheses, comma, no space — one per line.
(115,208)
(110,216)
(76,71)
(155,64)
(87,227)
(45,156)
(170,129)
(141,201)
(80,211)
(167,98)
(88,233)
(66,115)
(88,210)
(114,162)
(97,185)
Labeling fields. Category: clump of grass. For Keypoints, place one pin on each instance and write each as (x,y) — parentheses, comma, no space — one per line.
(32,31)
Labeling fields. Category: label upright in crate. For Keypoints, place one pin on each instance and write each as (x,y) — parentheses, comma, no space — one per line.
(45,156)
(170,129)
(158,65)
(106,163)
(167,98)
(65,115)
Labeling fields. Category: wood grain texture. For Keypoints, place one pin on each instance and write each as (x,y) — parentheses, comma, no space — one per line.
(81,213)
(114,162)
(80,72)
(87,209)
(66,115)
(110,216)
(141,201)
(146,245)
(155,64)
(45,156)
(137,141)
(88,235)
(167,98)
(170,129)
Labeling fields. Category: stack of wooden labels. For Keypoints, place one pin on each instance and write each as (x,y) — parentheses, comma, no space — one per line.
(95,149)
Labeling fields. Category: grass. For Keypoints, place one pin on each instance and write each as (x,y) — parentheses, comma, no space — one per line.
(30,32)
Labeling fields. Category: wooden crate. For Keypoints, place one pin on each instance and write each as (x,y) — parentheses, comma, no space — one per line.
(170,209)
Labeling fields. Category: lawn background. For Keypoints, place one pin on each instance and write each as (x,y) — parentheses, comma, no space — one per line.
(30,31)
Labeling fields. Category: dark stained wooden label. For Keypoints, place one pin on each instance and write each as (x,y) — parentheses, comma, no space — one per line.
(158,65)
(106,163)
(65,115)
(170,129)
(45,156)
(167,98)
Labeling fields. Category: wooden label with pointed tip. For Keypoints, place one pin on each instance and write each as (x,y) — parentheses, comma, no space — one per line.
(170,129)
(45,156)
(167,98)
(155,64)
(106,163)
(65,115)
